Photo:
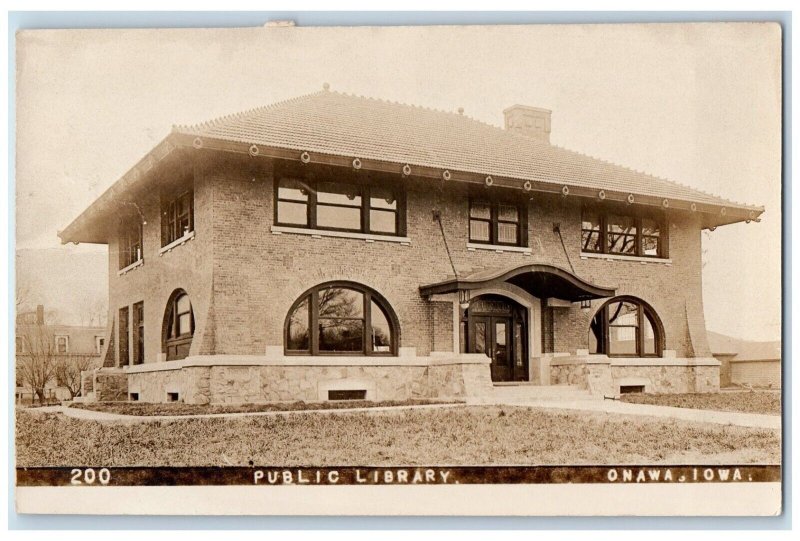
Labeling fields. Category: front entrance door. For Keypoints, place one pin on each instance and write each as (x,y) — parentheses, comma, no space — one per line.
(496,328)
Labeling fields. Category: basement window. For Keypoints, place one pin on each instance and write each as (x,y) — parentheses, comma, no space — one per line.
(133,397)
(630,389)
(172,397)
(348,394)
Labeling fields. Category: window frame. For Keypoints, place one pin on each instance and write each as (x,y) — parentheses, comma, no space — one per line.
(363,190)
(495,221)
(137,327)
(130,237)
(58,337)
(644,310)
(170,219)
(638,219)
(170,339)
(369,296)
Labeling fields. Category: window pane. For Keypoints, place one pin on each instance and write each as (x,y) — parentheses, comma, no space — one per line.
(341,335)
(508,213)
(623,313)
(649,337)
(339,194)
(507,233)
(183,304)
(381,198)
(339,302)
(479,209)
(590,241)
(339,217)
(292,189)
(621,234)
(381,331)
(292,213)
(479,231)
(298,335)
(622,340)
(518,346)
(382,221)
(650,237)
(480,338)
(184,324)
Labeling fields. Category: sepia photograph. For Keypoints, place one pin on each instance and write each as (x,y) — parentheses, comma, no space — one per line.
(509,259)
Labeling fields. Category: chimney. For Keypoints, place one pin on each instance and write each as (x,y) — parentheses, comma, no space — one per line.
(40,314)
(533,122)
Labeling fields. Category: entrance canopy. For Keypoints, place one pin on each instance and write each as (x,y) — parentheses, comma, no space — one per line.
(542,281)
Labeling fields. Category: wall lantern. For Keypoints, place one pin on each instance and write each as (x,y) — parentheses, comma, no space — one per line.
(463,298)
(586,305)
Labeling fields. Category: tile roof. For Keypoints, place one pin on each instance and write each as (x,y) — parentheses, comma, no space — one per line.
(743,350)
(339,124)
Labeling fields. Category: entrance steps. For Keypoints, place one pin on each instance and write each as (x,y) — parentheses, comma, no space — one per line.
(526,393)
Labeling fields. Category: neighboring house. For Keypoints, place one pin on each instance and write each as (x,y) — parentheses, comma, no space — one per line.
(59,352)
(745,363)
(333,247)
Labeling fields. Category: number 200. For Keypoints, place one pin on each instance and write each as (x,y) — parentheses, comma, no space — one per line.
(88,476)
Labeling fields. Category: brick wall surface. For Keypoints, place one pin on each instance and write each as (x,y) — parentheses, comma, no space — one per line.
(242,278)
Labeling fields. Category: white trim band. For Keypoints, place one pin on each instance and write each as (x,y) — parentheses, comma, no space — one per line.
(633,258)
(369,237)
(498,248)
(129,268)
(175,243)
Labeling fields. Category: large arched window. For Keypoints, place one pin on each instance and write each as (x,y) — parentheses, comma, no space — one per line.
(178,326)
(626,327)
(341,318)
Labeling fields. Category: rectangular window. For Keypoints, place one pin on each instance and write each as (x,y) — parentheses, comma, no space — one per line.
(130,242)
(20,343)
(99,342)
(495,223)
(124,329)
(138,333)
(177,216)
(354,394)
(617,233)
(337,206)
(62,344)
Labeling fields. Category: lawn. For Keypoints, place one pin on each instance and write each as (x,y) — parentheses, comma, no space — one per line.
(767,402)
(480,435)
(177,408)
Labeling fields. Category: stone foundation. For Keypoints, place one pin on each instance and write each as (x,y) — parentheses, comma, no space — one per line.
(110,385)
(226,380)
(605,376)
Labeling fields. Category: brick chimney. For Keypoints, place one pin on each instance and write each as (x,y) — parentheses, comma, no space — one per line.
(533,122)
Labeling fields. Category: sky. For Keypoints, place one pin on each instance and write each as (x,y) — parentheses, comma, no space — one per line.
(698,104)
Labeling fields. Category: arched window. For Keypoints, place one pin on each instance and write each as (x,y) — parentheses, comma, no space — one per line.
(626,327)
(341,318)
(178,326)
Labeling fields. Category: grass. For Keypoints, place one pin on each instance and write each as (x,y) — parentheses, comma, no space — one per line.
(480,435)
(739,401)
(177,408)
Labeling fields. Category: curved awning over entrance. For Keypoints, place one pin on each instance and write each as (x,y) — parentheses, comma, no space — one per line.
(542,281)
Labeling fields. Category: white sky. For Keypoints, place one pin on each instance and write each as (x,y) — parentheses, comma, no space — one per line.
(697,104)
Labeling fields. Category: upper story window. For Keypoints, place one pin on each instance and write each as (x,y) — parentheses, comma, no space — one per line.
(20,343)
(341,318)
(338,206)
(130,242)
(62,344)
(177,215)
(178,326)
(617,233)
(99,342)
(496,223)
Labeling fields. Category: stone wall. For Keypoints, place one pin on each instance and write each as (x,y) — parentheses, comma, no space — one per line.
(110,385)
(604,376)
(228,384)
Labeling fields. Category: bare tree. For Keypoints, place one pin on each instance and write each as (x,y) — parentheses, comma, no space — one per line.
(36,363)
(68,371)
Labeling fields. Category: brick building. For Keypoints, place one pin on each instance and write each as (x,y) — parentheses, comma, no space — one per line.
(333,246)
